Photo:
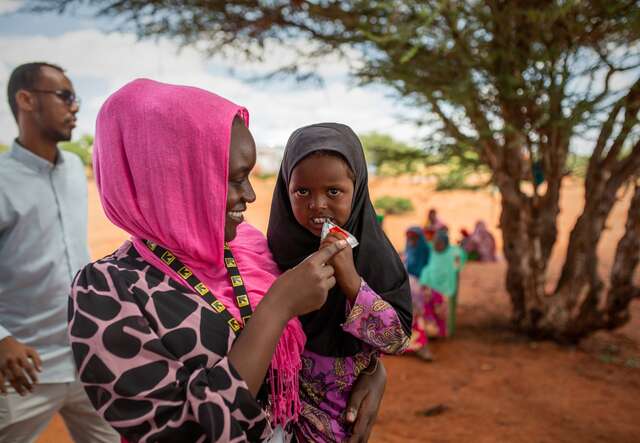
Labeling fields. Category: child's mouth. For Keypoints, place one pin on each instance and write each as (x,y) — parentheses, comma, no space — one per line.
(317,222)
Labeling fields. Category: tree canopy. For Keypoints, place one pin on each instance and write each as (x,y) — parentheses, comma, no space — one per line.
(519,83)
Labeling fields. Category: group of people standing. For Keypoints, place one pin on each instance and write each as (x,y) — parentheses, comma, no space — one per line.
(198,328)
(434,266)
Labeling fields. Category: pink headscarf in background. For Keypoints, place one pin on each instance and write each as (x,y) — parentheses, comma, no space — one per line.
(161,158)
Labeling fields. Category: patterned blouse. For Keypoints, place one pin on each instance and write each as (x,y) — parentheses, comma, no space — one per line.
(160,372)
(152,358)
(326,382)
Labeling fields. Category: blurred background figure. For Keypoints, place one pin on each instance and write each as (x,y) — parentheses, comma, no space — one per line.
(439,280)
(416,257)
(433,225)
(479,245)
(43,243)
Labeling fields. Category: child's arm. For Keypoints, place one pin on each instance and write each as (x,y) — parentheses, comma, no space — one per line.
(375,322)
(347,276)
(370,318)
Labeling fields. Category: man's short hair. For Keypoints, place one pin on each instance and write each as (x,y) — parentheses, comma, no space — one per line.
(25,77)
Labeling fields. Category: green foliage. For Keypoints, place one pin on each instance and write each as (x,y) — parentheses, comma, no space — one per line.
(393,205)
(390,156)
(492,78)
(83,148)
(454,179)
(266,175)
(577,165)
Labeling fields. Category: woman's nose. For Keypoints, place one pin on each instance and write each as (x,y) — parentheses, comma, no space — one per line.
(249,194)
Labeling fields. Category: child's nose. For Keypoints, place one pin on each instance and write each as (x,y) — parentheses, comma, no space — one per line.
(318,202)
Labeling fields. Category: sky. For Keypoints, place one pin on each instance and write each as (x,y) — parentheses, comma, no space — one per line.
(99,62)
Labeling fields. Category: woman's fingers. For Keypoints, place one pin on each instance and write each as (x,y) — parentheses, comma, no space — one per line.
(325,254)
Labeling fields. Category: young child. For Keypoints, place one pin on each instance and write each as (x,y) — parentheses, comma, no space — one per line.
(416,256)
(439,280)
(324,177)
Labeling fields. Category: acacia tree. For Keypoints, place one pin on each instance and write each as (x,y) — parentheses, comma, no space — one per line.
(391,156)
(518,82)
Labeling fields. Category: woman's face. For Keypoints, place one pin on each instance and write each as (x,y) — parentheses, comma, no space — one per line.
(321,189)
(242,159)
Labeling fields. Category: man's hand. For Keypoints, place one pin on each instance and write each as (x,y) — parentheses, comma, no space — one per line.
(364,402)
(18,365)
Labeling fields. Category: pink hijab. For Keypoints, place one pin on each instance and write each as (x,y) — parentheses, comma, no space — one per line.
(161,159)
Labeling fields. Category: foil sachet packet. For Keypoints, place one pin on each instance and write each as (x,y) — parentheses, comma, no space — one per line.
(330,227)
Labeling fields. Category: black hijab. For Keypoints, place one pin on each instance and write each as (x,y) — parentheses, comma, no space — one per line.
(375,259)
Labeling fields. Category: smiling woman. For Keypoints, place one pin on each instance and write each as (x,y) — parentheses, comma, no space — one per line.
(155,326)
(242,159)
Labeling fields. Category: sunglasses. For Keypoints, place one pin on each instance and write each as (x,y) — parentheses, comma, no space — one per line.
(65,95)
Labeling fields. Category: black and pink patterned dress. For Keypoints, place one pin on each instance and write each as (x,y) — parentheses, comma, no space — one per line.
(159,373)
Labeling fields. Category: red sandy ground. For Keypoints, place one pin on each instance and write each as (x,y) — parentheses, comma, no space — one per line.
(487,384)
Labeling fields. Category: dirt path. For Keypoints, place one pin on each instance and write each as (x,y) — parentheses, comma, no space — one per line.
(487,384)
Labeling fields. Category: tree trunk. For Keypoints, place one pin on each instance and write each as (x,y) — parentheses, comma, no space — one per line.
(528,225)
(626,260)
(575,309)
(524,258)
(580,303)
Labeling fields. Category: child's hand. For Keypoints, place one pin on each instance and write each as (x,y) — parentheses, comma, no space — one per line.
(345,269)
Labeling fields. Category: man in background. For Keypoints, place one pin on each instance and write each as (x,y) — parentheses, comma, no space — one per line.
(43,243)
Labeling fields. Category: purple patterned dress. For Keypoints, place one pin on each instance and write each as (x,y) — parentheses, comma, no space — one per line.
(326,382)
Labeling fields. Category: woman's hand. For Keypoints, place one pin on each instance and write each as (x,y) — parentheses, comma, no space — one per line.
(364,401)
(345,269)
(304,288)
(298,291)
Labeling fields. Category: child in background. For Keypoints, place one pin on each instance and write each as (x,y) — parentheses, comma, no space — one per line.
(439,279)
(324,177)
(416,257)
(433,225)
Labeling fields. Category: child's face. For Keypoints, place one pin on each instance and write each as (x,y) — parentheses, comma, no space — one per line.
(321,188)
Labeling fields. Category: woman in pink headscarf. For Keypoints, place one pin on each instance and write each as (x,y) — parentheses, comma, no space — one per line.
(480,243)
(185,333)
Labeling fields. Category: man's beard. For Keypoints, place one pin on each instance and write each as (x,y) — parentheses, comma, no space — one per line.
(58,136)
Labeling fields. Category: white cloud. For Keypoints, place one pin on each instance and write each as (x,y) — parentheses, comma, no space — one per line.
(9,6)
(101,63)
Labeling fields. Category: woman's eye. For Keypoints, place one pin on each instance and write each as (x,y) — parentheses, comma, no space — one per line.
(302,192)
(333,192)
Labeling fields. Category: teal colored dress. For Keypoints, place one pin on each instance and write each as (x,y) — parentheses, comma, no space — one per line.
(441,273)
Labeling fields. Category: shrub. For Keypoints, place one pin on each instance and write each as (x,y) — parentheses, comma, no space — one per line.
(393,205)
(455,179)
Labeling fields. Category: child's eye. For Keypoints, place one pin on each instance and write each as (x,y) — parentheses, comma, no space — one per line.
(333,192)
(301,192)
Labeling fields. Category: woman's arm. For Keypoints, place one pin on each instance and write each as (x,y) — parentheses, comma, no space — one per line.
(296,292)
(137,384)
